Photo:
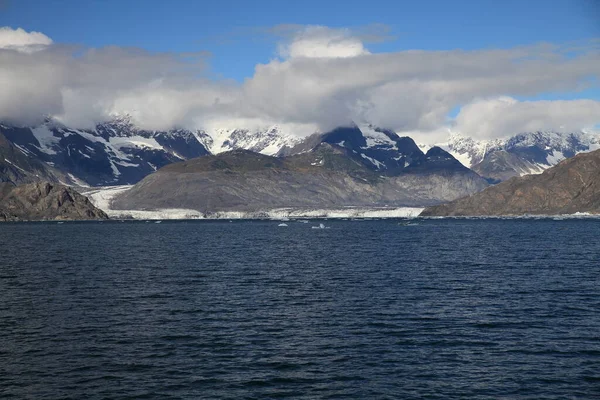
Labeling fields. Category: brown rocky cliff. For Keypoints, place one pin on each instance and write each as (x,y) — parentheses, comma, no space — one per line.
(45,201)
(569,187)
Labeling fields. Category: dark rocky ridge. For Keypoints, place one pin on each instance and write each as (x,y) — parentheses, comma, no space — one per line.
(571,186)
(17,168)
(45,201)
(380,150)
(113,153)
(325,177)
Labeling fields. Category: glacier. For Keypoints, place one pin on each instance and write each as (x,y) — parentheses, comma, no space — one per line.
(102,197)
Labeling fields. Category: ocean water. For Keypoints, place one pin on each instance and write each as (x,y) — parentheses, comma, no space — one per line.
(475,309)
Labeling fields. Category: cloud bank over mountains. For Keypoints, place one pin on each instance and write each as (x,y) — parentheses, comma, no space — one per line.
(321,78)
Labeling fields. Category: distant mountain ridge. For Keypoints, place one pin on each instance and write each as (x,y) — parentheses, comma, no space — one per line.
(328,175)
(571,186)
(112,153)
(380,150)
(522,154)
(117,152)
(267,141)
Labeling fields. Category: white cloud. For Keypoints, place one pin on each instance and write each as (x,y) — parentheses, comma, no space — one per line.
(255,124)
(324,78)
(21,40)
(409,90)
(493,118)
(322,42)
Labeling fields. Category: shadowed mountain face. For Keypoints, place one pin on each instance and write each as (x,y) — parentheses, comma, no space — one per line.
(569,187)
(381,150)
(325,177)
(112,153)
(45,201)
(16,167)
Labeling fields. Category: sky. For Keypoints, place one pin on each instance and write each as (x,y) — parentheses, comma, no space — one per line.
(484,68)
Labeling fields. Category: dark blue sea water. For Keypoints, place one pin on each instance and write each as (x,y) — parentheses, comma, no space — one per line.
(474,309)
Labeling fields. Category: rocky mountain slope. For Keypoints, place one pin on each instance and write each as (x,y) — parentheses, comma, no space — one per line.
(118,153)
(44,201)
(379,150)
(329,175)
(16,167)
(112,153)
(569,187)
(521,154)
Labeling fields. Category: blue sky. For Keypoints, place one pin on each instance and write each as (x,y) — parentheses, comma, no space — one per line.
(233,30)
(487,68)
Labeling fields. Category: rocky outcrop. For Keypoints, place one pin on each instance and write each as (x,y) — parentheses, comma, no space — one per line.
(571,186)
(45,201)
(322,178)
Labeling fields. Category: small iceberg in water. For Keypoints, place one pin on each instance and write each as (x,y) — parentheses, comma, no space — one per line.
(282,224)
(321,226)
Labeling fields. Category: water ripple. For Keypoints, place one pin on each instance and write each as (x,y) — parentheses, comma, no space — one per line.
(479,309)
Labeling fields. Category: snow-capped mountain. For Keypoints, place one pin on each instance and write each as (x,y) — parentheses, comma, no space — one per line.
(468,150)
(381,150)
(117,152)
(522,154)
(265,141)
(113,153)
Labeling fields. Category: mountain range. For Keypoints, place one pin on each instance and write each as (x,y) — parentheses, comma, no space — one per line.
(328,176)
(347,166)
(572,186)
(522,154)
(118,153)
(113,153)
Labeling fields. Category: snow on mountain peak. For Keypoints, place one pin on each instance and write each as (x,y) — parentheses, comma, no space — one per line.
(468,150)
(376,137)
(268,140)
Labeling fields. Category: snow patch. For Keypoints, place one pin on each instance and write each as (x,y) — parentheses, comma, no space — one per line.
(46,138)
(375,162)
(14,165)
(77,181)
(375,138)
(555,157)
(135,142)
(266,141)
